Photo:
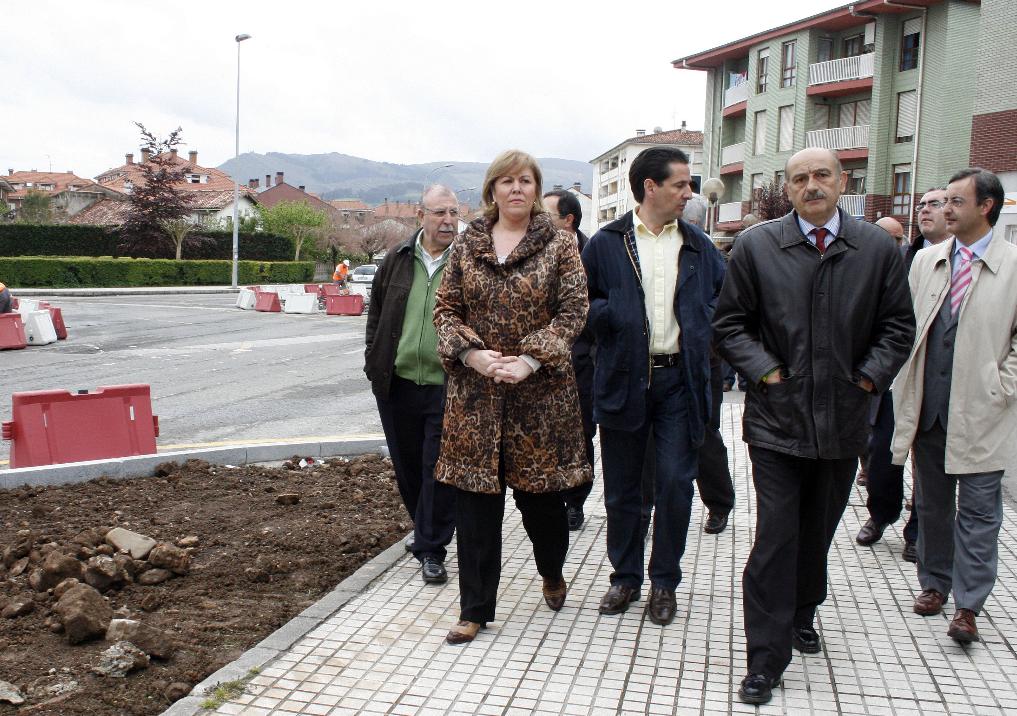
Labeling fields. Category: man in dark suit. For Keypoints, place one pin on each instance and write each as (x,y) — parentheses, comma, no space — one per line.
(885,480)
(567,214)
(653,282)
(816,313)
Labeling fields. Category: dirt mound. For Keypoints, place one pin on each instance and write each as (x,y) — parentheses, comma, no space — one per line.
(206,560)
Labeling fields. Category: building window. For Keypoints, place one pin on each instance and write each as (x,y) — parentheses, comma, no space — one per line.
(757,187)
(820,116)
(786,128)
(855,182)
(787,64)
(853,45)
(853,114)
(907,114)
(778,178)
(824,49)
(901,189)
(909,44)
(762,69)
(759,144)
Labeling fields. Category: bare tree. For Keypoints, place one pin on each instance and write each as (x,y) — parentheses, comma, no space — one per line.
(178,230)
(382,235)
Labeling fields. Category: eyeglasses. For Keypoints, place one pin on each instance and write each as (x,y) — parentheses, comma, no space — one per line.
(454,213)
(934,204)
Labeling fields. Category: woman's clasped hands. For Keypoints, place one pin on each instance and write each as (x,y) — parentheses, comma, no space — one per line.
(503,369)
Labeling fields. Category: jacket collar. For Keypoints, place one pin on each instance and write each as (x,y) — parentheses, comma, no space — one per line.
(692,236)
(479,242)
(992,257)
(791,233)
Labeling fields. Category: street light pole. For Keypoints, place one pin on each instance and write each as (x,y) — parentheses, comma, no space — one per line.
(236,168)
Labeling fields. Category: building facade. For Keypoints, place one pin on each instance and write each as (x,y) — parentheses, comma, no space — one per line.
(889,87)
(611,196)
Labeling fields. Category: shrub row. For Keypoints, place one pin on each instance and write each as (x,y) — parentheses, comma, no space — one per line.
(73,240)
(87,271)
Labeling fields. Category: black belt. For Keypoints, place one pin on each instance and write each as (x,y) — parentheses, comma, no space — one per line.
(665,360)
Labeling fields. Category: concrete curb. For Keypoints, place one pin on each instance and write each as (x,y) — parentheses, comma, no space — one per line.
(140,291)
(280,641)
(143,465)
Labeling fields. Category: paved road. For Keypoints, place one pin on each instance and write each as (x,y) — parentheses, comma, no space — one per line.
(217,373)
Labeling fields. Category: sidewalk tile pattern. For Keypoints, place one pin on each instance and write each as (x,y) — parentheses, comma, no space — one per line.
(384,652)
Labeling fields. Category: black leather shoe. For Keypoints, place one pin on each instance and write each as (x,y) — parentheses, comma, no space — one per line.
(661,606)
(715,524)
(575,517)
(617,599)
(433,571)
(870,533)
(805,639)
(910,553)
(757,688)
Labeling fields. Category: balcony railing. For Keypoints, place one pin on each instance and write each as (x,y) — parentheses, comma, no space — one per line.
(731,211)
(854,204)
(839,137)
(847,68)
(736,94)
(732,153)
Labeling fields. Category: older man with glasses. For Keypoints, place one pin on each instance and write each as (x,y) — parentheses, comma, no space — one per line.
(885,480)
(407,377)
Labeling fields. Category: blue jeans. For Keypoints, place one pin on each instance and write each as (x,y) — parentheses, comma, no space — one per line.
(676,460)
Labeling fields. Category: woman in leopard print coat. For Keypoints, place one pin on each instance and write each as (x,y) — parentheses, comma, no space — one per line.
(511,303)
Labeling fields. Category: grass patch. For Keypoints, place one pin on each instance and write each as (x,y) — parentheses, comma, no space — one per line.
(221,693)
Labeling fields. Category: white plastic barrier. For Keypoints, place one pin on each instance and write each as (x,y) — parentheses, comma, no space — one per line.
(301,303)
(39,329)
(246,299)
(27,305)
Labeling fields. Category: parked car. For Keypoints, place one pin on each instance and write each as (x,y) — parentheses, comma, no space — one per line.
(363,274)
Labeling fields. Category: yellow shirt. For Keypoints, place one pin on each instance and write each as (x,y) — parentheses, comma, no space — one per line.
(658,262)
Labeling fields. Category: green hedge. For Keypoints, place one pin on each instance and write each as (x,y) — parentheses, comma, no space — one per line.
(87,271)
(73,240)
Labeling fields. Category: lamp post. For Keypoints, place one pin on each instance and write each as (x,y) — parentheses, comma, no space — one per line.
(236,182)
(712,189)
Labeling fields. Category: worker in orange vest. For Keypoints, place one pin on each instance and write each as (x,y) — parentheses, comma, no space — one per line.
(342,271)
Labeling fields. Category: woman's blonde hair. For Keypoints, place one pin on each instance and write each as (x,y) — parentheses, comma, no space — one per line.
(506,163)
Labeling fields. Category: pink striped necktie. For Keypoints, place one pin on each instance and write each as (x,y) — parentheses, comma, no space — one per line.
(961,280)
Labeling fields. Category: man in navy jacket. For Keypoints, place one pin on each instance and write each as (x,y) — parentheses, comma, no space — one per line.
(653,282)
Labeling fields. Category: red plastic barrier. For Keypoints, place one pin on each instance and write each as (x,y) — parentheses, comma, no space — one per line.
(351,305)
(58,322)
(330,289)
(55,426)
(265,301)
(12,331)
(311,288)
(44,305)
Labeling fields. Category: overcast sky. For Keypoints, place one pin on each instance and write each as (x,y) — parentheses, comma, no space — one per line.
(387,80)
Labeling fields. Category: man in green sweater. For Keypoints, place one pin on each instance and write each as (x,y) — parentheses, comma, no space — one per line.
(401,361)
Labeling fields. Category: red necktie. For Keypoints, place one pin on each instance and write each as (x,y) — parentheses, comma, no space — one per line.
(820,232)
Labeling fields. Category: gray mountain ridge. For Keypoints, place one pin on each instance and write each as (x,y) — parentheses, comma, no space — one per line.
(342,176)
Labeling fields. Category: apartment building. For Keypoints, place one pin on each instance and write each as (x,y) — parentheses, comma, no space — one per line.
(890,86)
(611,194)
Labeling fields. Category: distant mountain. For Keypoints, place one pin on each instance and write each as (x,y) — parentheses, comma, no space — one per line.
(340,176)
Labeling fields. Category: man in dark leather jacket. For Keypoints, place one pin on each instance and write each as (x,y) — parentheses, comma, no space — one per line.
(816,313)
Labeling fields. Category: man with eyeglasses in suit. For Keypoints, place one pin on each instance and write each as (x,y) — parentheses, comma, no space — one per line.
(407,378)
(885,480)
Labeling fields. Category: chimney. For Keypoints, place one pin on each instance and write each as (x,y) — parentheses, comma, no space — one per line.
(268,181)
(683,125)
(640,132)
(278,178)
(173,154)
(10,172)
(129,157)
(301,188)
(252,183)
(578,185)
(144,155)
(192,157)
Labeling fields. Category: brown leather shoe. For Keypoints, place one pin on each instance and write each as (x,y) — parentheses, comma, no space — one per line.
(463,632)
(962,628)
(929,603)
(617,599)
(870,533)
(554,592)
(661,606)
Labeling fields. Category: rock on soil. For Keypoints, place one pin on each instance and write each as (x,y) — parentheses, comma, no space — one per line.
(121,659)
(192,623)
(84,613)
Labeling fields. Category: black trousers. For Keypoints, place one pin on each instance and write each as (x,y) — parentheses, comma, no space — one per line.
(886,481)
(716,489)
(799,502)
(411,418)
(479,519)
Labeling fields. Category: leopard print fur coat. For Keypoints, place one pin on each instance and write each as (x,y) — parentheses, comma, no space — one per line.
(535,304)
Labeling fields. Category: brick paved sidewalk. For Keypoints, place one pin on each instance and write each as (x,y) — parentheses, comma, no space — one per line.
(384,652)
